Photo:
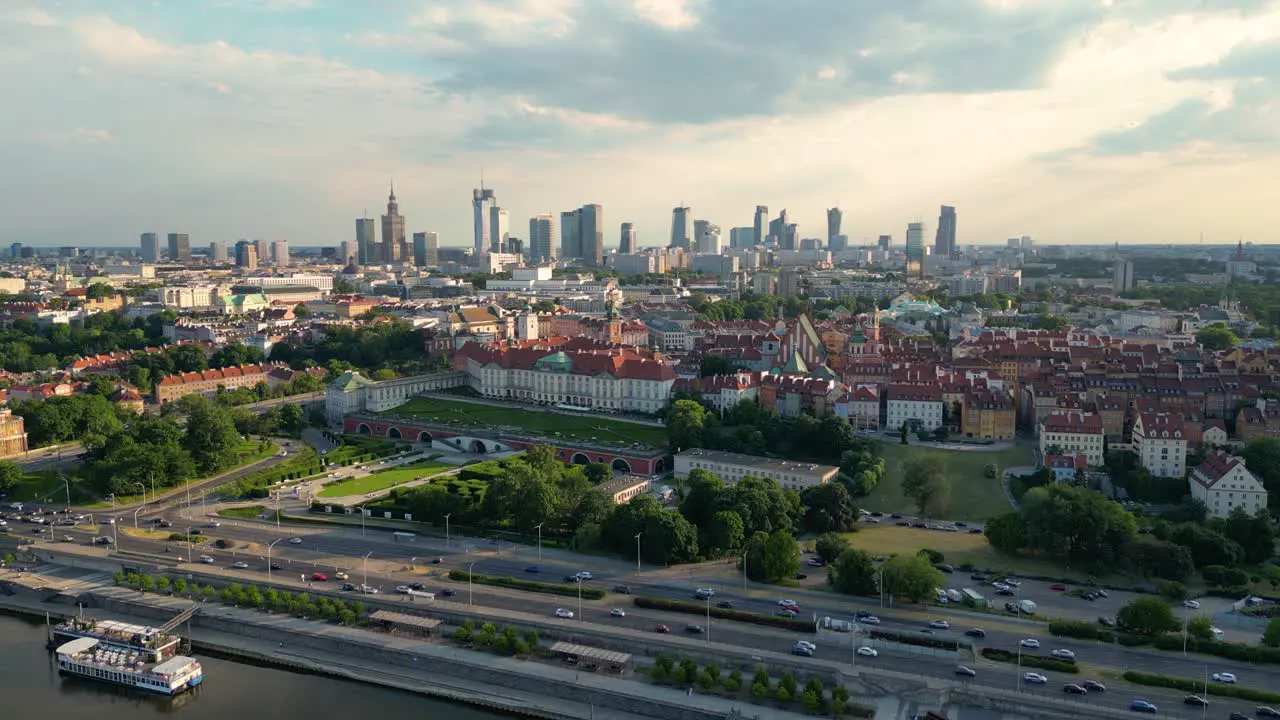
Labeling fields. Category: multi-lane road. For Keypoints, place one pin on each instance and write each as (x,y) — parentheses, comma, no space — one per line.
(327,549)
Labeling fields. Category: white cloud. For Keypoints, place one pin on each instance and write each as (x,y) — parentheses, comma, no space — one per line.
(33,17)
(668,14)
(503,22)
(93,135)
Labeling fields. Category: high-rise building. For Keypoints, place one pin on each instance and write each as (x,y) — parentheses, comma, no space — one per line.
(783,232)
(944,242)
(150,248)
(1122,277)
(218,251)
(280,253)
(681,228)
(514,246)
(835,218)
(179,247)
(542,239)
(262,250)
(420,249)
(627,242)
(366,242)
(348,253)
(482,203)
(706,237)
(570,238)
(885,241)
(394,248)
(915,248)
(760,228)
(247,255)
(742,237)
(499,229)
(591,233)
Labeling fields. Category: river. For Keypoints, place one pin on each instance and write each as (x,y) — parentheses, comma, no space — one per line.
(31,688)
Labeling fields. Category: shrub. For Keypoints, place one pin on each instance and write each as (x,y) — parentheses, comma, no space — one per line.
(1198,686)
(933,556)
(1031,661)
(567,590)
(1080,629)
(1231,651)
(693,608)
(1172,590)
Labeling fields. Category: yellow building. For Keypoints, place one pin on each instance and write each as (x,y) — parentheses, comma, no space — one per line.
(13,434)
(990,415)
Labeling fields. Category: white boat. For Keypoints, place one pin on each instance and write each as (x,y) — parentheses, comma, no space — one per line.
(88,658)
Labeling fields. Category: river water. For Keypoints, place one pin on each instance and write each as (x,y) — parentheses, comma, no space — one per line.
(31,688)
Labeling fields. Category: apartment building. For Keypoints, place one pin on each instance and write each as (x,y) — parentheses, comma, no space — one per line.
(1223,483)
(920,406)
(1072,433)
(732,467)
(1160,443)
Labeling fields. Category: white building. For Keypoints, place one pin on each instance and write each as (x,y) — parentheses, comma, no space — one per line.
(194,297)
(1160,444)
(920,406)
(1072,433)
(323,283)
(732,467)
(1223,484)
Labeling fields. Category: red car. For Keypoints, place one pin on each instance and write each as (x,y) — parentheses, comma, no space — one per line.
(319,577)
(662,629)
(1058,586)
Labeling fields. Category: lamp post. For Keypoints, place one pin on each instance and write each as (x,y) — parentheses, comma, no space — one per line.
(144,491)
(364,570)
(189,549)
(1017,612)
(135,516)
(1186,621)
(469,567)
(744,570)
(446,530)
(361,509)
(278,510)
(708,633)
(638,551)
(538,527)
(115,536)
(579,598)
(112,498)
(67,481)
(269,546)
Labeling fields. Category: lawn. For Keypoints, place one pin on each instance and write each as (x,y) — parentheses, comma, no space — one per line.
(42,485)
(973,496)
(247,512)
(358,446)
(249,452)
(384,479)
(544,423)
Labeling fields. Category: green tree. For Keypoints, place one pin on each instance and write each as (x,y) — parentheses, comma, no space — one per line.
(686,423)
(1147,616)
(1200,627)
(780,556)
(1008,532)
(925,481)
(1262,457)
(910,577)
(853,573)
(211,436)
(830,545)
(1271,636)
(829,508)
(726,534)
(10,476)
(1255,535)
(1217,338)
(715,365)
(1078,525)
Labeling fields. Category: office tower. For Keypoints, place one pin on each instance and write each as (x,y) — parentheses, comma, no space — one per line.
(915,248)
(179,247)
(1122,277)
(570,239)
(783,231)
(280,253)
(681,227)
(482,203)
(262,250)
(393,242)
(499,229)
(885,241)
(591,233)
(627,242)
(944,242)
(218,251)
(514,246)
(789,282)
(706,237)
(835,217)
(247,255)
(433,249)
(742,237)
(150,248)
(420,249)
(348,253)
(542,239)
(366,242)
(761,226)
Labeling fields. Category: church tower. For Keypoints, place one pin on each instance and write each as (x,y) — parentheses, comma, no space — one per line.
(614,324)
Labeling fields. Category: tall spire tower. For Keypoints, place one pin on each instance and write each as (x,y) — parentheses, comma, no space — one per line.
(394,247)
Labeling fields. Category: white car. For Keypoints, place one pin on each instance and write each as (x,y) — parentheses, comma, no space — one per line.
(617,612)
(403,589)
(213,524)
(1063,654)
(807,644)
(1227,678)
(342,576)
(584,575)
(704,593)
(1036,678)
(867,651)
(1191,604)
(295,541)
(564,613)
(1030,643)
(870,620)
(940,625)
(1001,586)
(787,603)
(109,521)
(240,565)
(206,559)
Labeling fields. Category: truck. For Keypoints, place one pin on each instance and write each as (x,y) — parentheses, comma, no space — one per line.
(954,595)
(1026,607)
(843,626)
(415,594)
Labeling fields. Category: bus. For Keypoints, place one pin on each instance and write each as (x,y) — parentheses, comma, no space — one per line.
(971,597)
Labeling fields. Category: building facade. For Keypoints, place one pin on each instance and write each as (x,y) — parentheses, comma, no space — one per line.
(1161,444)
(1073,433)
(920,406)
(1223,483)
(13,434)
(733,467)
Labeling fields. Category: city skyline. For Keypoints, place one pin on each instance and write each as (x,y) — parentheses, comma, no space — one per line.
(1154,121)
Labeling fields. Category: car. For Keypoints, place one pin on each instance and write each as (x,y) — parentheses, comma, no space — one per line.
(342,576)
(975,531)
(939,624)
(67,538)
(584,575)
(1143,706)
(662,629)
(965,671)
(801,650)
(276,566)
(800,576)
(946,568)
(1105,621)
(1264,711)
(1195,701)
(704,593)
(532,569)
(903,523)
(1058,586)
(787,604)
(1005,591)
(870,620)
(725,604)
(1191,604)
(319,577)
(37,531)
(1012,582)
(862,614)
(1034,678)
(807,644)
(617,612)
(207,560)
(240,565)
(103,541)
(1032,643)
(867,651)
(564,613)
(1227,678)
(213,524)
(572,578)
(1237,716)
(348,587)
(295,541)
(624,589)
(403,589)
(1062,654)
(448,592)
(1073,689)
(1094,686)
(784,612)
(694,629)
(816,562)
(437,561)
(1101,593)
(976,632)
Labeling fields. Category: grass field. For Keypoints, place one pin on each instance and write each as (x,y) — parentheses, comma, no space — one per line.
(248,512)
(607,431)
(249,452)
(354,446)
(383,480)
(37,486)
(973,496)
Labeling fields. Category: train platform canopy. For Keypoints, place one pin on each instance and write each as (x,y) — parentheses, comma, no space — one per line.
(590,653)
(406,620)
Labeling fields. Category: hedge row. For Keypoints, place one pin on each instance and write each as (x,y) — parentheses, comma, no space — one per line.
(1080,629)
(916,640)
(1197,687)
(1231,651)
(567,590)
(1031,661)
(697,608)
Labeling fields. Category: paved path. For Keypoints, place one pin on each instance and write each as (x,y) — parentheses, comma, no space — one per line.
(1009,474)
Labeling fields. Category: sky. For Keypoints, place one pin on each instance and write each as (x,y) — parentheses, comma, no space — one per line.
(1073,121)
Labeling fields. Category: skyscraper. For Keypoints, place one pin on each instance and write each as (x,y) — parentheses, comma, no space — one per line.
(420,249)
(944,242)
(280,253)
(706,237)
(247,255)
(482,203)
(348,253)
(499,229)
(1122,277)
(366,242)
(261,251)
(218,251)
(835,217)
(591,233)
(150,248)
(394,248)
(179,247)
(627,241)
(885,241)
(681,227)
(761,226)
(783,231)
(542,239)
(570,239)
(915,248)
(742,237)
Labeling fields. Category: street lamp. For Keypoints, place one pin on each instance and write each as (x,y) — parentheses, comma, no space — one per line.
(708,618)
(446,530)
(361,509)
(364,572)
(135,516)
(67,481)
(189,550)
(269,546)
(144,491)
(538,527)
(744,570)
(579,598)
(638,551)
(472,565)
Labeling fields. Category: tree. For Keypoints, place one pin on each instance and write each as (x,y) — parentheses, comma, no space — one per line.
(593,508)
(715,365)
(1077,525)
(10,476)
(686,423)
(1271,636)
(853,573)
(904,432)
(1200,627)
(725,534)
(211,436)
(1161,559)
(1255,535)
(1008,532)
(1262,457)
(830,545)
(925,481)
(1217,338)
(829,508)
(910,577)
(1147,616)
(301,311)
(781,556)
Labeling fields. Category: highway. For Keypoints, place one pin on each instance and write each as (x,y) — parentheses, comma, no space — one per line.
(326,549)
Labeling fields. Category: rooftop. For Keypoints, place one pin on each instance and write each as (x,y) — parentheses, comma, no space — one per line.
(758,462)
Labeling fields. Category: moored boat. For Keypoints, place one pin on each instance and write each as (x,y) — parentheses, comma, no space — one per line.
(89,658)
